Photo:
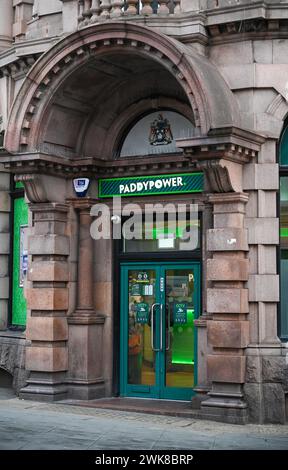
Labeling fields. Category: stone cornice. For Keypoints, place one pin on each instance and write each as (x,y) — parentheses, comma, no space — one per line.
(248,9)
(24,51)
(214,153)
(39,163)
(186,27)
(257,20)
(228,143)
(19,67)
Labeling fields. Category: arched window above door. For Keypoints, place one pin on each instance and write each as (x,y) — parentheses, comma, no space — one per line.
(156,133)
(283,160)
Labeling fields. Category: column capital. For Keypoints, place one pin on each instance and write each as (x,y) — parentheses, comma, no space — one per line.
(82,204)
(228,198)
(46,207)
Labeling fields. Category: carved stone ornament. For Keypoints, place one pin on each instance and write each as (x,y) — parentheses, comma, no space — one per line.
(217,176)
(34,188)
(43,187)
(160,131)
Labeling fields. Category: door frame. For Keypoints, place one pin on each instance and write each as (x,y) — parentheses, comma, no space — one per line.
(159,390)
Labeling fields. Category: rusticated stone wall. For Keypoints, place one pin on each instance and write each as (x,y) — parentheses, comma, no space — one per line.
(12,358)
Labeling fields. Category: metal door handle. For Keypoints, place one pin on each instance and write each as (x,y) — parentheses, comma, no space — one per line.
(168,326)
(152,328)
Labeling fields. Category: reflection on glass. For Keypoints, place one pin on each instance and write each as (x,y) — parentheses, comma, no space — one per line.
(162,238)
(179,328)
(141,360)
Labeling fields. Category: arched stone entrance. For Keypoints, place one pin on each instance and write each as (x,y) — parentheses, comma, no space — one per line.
(209,97)
(67,121)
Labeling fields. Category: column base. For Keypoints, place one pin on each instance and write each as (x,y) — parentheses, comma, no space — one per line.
(85,317)
(201,395)
(224,415)
(86,391)
(43,387)
(225,404)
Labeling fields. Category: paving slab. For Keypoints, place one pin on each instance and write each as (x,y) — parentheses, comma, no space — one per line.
(30,425)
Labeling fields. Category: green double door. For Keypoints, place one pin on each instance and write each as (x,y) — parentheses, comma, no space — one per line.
(159,303)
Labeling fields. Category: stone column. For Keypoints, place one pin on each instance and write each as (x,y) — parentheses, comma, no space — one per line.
(227,302)
(6,24)
(47,330)
(85,377)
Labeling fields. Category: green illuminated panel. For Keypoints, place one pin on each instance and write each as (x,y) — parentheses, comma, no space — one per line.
(19,307)
(284,232)
(183,341)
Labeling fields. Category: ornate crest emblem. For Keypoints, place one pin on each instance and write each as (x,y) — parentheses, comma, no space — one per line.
(160,131)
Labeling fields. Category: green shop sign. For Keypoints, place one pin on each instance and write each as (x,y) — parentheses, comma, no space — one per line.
(147,185)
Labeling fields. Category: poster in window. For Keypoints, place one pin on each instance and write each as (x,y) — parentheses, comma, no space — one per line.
(23,255)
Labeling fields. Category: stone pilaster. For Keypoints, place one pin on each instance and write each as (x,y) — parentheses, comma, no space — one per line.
(70,15)
(266,363)
(6,22)
(22,14)
(85,377)
(203,348)
(227,302)
(47,329)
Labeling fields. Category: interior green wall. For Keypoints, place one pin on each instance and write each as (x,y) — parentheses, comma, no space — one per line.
(19,307)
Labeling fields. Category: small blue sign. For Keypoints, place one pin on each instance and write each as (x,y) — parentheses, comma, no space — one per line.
(81,186)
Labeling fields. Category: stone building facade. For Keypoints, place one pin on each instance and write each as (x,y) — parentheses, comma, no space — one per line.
(81,83)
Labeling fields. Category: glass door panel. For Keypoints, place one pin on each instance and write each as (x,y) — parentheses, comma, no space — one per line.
(179,334)
(159,304)
(143,327)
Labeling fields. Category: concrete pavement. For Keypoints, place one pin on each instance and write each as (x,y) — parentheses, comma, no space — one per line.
(38,426)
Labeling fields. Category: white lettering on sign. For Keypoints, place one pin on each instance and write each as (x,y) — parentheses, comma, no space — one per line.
(149,185)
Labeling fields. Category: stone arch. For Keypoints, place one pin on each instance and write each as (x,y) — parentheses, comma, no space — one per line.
(210,98)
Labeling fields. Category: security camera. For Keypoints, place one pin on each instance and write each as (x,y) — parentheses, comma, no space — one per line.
(116,219)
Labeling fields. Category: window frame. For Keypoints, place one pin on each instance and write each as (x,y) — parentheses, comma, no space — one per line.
(283,172)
